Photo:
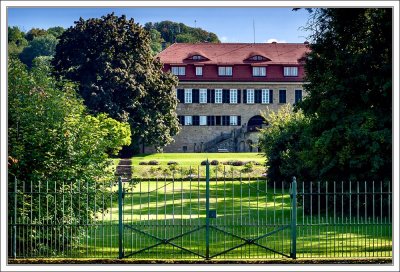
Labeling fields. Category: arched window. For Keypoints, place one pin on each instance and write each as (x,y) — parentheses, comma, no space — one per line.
(255,123)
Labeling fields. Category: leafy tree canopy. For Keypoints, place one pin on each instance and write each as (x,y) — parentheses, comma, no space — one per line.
(282,141)
(16,40)
(349,100)
(55,145)
(155,41)
(55,31)
(172,32)
(34,33)
(39,46)
(118,75)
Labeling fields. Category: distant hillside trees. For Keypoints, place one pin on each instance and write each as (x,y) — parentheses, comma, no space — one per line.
(172,32)
(35,43)
(41,46)
(16,41)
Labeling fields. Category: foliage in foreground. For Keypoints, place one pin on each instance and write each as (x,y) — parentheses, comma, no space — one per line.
(282,141)
(118,75)
(55,146)
(347,129)
(350,95)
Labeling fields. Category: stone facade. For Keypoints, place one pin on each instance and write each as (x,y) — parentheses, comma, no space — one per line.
(194,138)
(209,127)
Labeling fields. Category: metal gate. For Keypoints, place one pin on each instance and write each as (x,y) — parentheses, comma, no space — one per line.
(228,217)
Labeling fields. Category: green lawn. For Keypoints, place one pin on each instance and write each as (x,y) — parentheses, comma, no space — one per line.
(189,163)
(194,159)
(165,218)
(166,210)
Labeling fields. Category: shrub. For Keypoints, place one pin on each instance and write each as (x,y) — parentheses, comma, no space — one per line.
(248,167)
(172,162)
(173,167)
(214,162)
(203,162)
(237,163)
(153,163)
(143,163)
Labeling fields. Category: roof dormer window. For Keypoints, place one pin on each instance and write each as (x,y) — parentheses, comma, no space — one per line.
(258,57)
(197,57)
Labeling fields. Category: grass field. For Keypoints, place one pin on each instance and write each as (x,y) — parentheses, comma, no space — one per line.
(189,163)
(194,159)
(246,209)
(165,218)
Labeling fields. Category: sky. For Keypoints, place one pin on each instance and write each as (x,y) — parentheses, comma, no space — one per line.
(228,23)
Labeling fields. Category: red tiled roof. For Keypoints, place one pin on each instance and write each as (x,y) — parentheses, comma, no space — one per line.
(234,53)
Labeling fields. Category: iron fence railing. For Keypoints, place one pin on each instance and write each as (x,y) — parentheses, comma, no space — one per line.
(229,216)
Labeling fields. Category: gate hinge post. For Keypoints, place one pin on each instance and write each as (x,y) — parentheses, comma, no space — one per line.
(294,218)
(120,219)
(207,210)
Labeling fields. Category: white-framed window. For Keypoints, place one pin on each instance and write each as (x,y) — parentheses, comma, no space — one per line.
(264,96)
(225,71)
(199,71)
(188,95)
(178,70)
(218,95)
(290,71)
(203,96)
(188,120)
(233,96)
(203,120)
(250,96)
(233,120)
(259,71)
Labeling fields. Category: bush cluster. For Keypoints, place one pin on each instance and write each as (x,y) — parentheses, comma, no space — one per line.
(214,162)
(153,162)
(172,163)
(149,163)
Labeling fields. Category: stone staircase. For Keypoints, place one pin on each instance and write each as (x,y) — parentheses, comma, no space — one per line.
(124,169)
(225,141)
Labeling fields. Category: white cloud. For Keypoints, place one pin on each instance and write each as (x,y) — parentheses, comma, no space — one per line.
(224,39)
(275,40)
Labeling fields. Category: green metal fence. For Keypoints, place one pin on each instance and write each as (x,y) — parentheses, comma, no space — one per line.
(211,216)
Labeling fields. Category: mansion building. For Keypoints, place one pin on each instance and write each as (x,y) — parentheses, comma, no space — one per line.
(223,88)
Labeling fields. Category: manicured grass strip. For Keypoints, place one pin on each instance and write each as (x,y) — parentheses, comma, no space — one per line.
(194,159)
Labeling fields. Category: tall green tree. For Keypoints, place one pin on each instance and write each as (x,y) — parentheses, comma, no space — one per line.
(282,141)
(118,75)
(54,145)
(39,46)
(56,31)
(349,100)
(34,33)
(16,41)
(155,41)
(172,32)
